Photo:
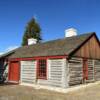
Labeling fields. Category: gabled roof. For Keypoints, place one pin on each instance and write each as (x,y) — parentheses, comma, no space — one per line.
(64,46)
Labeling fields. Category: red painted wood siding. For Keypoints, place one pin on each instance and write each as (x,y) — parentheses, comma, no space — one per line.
(37,58)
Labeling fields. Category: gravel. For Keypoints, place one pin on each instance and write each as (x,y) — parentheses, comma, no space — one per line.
(17,92)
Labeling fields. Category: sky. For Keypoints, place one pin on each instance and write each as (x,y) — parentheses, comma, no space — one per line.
(54,17)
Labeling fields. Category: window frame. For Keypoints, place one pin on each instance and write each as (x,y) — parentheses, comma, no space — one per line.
(38,69)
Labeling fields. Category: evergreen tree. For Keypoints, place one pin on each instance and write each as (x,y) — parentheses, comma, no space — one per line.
(32,30)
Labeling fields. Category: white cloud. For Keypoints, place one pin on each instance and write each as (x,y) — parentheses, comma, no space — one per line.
(9,49)
(1,53)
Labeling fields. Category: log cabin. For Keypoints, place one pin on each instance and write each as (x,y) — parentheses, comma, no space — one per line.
(61,63)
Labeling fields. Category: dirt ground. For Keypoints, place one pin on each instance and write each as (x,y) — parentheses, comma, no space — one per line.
(16,92)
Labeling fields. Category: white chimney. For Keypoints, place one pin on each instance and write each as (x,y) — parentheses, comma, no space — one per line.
(32,41)
(70,32)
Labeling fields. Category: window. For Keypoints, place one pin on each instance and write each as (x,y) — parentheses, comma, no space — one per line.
(42,66)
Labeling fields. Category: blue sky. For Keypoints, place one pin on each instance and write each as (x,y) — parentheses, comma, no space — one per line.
(54,16)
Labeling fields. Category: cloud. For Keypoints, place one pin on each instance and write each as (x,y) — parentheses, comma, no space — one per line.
(9,49)
(1,53)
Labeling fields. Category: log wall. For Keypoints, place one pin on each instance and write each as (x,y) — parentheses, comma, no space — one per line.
(75,71)
(56,73)
(61,73)
(28,72)
(97,70)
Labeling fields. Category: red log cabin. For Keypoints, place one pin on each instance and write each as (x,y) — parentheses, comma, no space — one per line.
(59,63)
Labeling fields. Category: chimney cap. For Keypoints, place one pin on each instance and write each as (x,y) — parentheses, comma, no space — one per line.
(32,41)
(70,32)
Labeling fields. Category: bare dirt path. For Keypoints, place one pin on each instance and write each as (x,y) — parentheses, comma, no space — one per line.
(16,92)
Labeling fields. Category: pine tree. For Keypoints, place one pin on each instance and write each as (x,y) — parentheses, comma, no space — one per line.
(32,30)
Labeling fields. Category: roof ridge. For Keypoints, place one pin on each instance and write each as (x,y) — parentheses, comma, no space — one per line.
(65,38)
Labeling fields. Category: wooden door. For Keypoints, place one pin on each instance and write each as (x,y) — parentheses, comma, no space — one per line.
(85,69)
(14,71)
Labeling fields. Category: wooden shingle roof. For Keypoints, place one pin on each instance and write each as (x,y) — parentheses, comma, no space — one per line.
(57,47)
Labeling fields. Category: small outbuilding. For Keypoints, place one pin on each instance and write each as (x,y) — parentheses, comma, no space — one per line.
(58,63)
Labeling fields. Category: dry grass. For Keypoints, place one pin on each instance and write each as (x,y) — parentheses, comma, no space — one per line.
(15,92)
